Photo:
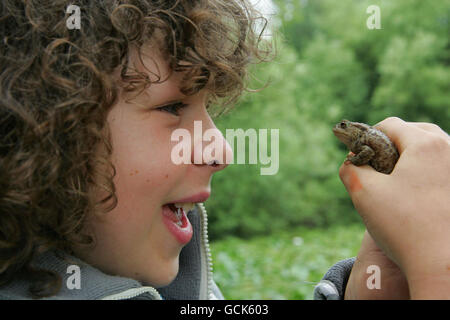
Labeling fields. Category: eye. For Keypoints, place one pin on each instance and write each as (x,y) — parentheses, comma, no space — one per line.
(343,125)
(173,108)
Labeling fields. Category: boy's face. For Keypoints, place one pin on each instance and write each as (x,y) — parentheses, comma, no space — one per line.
(136,239)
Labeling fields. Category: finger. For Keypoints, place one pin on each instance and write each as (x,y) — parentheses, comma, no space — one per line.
(363,186)
(349,155)
(430,127)
(400,132)
(358,180)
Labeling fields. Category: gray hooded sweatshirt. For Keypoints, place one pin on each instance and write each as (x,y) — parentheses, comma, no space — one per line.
(193,282)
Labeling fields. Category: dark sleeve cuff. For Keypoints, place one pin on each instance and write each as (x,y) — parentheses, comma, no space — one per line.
(333,284)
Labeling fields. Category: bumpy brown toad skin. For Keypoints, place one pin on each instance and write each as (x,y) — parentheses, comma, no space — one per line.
(370,146)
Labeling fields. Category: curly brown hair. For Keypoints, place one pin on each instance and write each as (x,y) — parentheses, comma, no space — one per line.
(56,89)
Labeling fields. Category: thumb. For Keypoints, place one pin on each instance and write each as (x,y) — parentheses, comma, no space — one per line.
(363,185)
(372,198)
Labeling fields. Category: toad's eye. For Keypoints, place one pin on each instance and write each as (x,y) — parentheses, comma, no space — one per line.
(343,125)
(173,108)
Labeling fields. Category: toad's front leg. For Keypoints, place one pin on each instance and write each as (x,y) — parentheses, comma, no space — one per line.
(364,155)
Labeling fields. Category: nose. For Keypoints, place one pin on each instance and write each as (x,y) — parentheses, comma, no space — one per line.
(210,148)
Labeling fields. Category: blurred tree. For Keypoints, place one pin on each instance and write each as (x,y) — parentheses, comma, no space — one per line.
(401,70)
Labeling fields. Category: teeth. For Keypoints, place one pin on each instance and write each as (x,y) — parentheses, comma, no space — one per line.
(187,206)
(179,214)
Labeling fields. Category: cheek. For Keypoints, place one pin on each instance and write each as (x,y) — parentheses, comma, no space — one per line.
(141,162)
(145,182)
(146,173)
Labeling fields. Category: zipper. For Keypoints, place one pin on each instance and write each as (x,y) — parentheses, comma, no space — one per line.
(207,274)
(131,293)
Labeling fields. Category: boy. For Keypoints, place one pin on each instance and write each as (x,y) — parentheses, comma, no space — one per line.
(88,185)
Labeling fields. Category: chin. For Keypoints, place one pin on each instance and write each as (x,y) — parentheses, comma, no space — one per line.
(167,273)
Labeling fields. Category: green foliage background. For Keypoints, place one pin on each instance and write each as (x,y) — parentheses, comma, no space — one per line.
(329,66)
(283,265)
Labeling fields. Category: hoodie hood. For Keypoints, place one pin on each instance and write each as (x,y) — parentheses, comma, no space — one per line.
(193,281)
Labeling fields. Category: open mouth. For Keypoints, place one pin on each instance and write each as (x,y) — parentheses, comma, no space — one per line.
(177,222)
(180,210)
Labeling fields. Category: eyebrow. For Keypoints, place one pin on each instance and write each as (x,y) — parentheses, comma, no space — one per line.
(156,98)
(168,103)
